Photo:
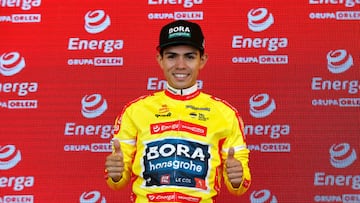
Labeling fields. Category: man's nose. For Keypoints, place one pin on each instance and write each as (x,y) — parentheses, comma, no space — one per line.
(181,63)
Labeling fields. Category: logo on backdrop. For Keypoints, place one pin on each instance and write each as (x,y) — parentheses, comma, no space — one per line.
(342,158)
(92,108)
(93,105)
(10,157)
(344,14)
(24,6)
(96,22)
(11,64)
(262,196)
(92,197)
(187,11)
(341,155)
(262,106)
(339,62)
(260,20)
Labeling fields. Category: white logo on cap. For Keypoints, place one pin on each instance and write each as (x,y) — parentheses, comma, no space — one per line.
(261,105)
(341,156)
(11,63)
(262,196)
(9,157)
(93,105)
(259,19)
(92,197)
(179,31)
(339,61)
(96,21)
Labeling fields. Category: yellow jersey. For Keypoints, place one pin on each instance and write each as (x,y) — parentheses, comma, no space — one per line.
(175,147)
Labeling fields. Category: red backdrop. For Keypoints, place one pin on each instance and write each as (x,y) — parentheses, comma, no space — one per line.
(291,69)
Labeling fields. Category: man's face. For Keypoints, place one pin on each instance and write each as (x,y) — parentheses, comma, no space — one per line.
(181,65)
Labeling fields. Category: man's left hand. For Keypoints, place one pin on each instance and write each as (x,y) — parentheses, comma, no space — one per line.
(234,169)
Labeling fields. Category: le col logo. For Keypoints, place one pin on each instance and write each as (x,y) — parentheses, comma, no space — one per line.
(92,197)
(93,105)
(9,158)
(262,196)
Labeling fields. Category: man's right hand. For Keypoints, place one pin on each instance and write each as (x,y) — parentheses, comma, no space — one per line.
(114,164)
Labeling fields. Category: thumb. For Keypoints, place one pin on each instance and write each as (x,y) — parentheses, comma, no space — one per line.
(117,148)
(231,153)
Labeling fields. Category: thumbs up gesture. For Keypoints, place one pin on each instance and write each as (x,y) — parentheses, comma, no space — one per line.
(114,164)
(233,169)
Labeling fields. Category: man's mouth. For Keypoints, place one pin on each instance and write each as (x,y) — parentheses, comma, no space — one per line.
(180,75)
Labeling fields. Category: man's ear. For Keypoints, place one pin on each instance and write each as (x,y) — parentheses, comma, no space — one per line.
(203,60)
(159,59)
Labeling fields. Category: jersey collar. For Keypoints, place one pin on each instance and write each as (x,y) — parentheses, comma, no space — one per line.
(182,94)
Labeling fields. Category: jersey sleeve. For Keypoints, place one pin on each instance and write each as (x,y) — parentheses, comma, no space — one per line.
(237,140)
(125,131)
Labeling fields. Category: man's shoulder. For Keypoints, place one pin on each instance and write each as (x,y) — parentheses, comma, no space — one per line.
(221,103)
(146,98)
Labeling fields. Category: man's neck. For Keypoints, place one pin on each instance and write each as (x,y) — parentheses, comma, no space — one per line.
(182,92)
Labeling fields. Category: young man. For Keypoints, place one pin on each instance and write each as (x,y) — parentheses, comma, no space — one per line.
(178,144)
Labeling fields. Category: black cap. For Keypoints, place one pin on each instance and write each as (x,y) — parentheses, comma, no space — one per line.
(181,32)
